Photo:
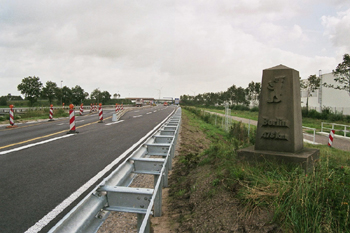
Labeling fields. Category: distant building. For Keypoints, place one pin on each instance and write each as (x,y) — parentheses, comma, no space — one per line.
(336,100)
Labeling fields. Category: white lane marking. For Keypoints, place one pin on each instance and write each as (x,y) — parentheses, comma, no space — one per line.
(137,111)
(62,123)
(34,144)
(155,111)
(149,113)
(80,121)
(114,122)
(137,116)
(58,209)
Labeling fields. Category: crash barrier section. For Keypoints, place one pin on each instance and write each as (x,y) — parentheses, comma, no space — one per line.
(153,157)
(330,138)
(344,130)
(313,135)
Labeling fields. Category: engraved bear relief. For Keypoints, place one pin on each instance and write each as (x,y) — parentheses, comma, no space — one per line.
(275,87)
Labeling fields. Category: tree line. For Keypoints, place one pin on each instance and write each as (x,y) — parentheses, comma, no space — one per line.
(250,96)
(33,89)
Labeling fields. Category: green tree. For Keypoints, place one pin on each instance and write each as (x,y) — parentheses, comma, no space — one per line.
(66,95)
(310,85)
(96,94)
(49,91)
(342,73)
(31,88)
(78,95)
(105,97)
(253,92)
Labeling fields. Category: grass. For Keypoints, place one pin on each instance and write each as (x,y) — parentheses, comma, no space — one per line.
(314,202)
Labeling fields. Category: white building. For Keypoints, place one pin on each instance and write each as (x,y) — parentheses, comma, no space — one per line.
(337,100)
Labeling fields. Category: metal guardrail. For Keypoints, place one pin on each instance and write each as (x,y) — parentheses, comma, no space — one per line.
(154,157)
(309,135)
(336,127)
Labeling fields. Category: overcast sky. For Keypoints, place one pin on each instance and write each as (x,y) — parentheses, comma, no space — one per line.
(148,48)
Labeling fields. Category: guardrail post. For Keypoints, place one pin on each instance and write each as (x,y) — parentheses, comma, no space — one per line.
(158,197)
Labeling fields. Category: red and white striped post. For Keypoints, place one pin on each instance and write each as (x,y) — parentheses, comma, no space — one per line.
(71,119)
(100,113)
(63,105)
(116,108)
(81,110)
(51,113)
(90,108)
(95,107)
(122,107)
(331,137)
(12,119)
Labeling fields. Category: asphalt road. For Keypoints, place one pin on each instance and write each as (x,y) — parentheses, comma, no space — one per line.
(41,165)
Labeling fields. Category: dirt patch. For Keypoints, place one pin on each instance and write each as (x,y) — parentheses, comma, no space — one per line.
(196,203)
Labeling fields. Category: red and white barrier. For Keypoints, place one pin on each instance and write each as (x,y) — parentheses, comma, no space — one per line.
(331,137)
(71,119)
(51,113)
(81,110)
(116,108)
(12,119)
(122,107)
(100,113)
(90,108)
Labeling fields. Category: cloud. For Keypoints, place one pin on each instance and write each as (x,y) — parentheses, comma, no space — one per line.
(337,28)
(139,47)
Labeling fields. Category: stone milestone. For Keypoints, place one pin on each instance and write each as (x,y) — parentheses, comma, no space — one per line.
(279,131)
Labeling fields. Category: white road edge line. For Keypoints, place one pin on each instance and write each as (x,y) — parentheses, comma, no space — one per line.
(34,144)
(137,116)
(114,122)
(69,200)
(149,113)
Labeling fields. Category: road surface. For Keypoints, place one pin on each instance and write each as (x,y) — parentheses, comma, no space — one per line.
(41,165)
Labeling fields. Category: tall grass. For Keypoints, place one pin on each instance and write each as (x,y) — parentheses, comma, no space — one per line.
(314,202)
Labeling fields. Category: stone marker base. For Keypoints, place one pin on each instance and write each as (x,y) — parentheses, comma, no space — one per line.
(307,157)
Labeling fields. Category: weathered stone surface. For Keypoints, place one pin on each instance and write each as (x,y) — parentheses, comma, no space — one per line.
(306,158)
(280,122)
(279,131)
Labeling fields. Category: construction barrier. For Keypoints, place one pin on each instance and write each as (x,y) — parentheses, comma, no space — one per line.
(122,107)
(116,108)
(51,113)
(62,105)
(81,110)
(100,113)
(71,119)
(12,119)
(90,108)
(331,137)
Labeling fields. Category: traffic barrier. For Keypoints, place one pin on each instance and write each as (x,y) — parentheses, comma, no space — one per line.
(90,108)
(81,110)
(12,119)
(51,113)
(331,137)
(95,107)
(71,119)
(114,193)
(122,107)
(116,108)
(100,113)
(63,105)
